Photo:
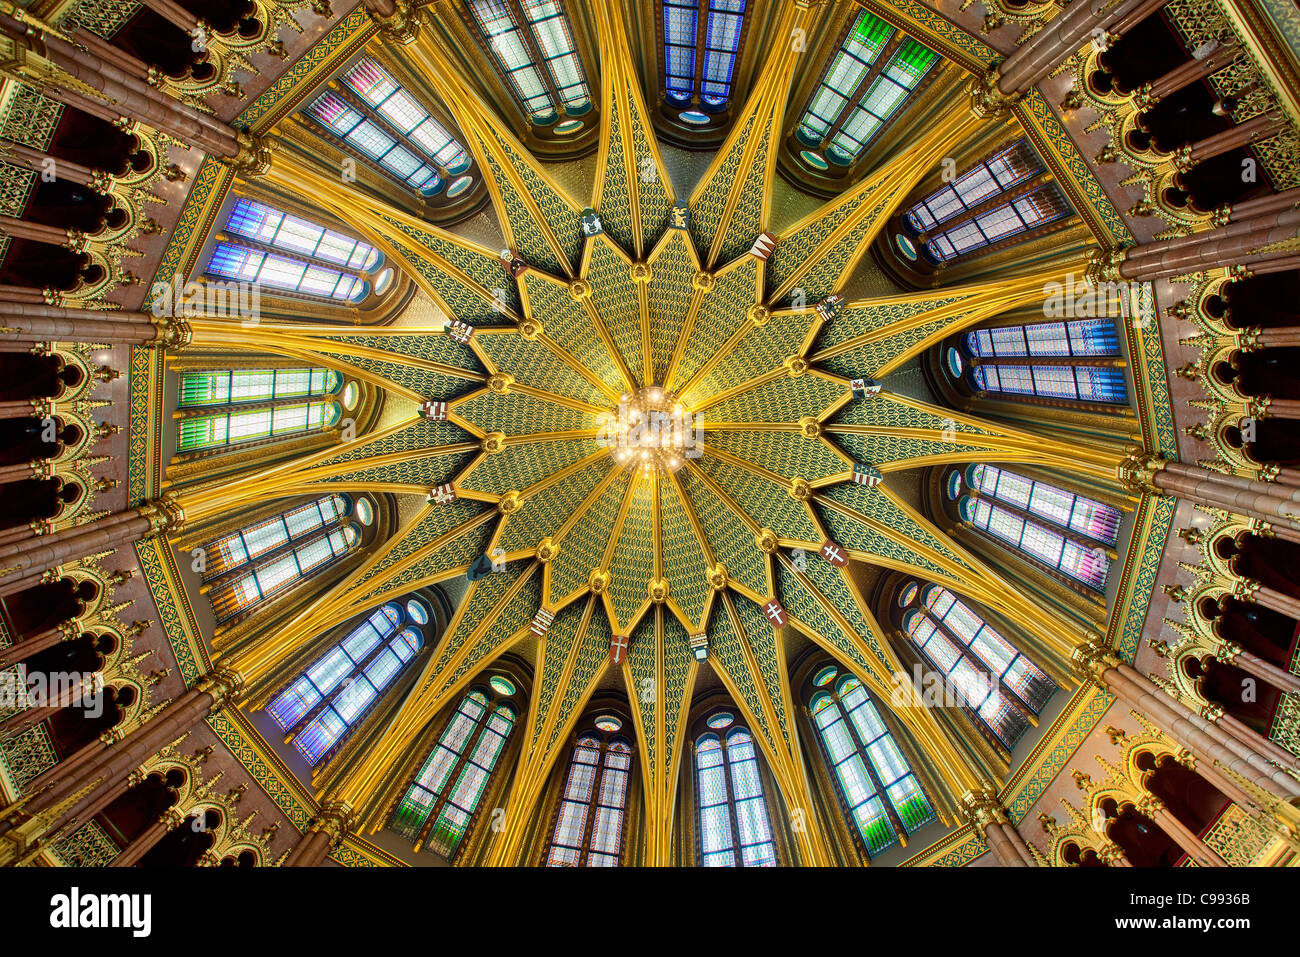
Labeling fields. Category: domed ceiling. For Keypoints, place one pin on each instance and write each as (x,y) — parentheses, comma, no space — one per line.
(654,428)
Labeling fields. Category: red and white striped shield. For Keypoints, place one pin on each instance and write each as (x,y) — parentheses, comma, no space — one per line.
(437,411)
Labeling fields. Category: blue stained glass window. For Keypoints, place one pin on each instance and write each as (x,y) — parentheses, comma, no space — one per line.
(1009,167)
(1080,337)
(351,676)
(856,743)
(1087,383)
(1040,206)
(260,223)
(245,264)
(735,828)
(724,26)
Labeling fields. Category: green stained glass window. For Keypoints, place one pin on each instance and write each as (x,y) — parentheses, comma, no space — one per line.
(439,805)
(868,768)
(859,92)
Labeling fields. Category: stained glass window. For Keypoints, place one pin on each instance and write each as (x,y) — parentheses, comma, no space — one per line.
(992,177)
(735,829)
(868,768)
(338,690)
(382,93)
(1040,206)
(1068,510)
(255,563)
(590,818)
(714,62)
(527,37)
(233,406)
(1089,566)
(1086,383)
(994,680)
(264,224)
(231,261)
(860,91)
(1080,337)
(439,805)
(376,117)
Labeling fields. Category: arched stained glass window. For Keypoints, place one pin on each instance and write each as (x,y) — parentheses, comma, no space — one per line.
(1069,510)
(1040,206)
(264,224)
(1075,557)
(231,261)
(1085,383)
(229,407)
(439,805)
(701,43)
(334,695)
(589,821)
(987,179)
(998,683)
(254,564)
(1080,337)
(735,829)
(532,44)
(377,118)
(880,794)
(870,77)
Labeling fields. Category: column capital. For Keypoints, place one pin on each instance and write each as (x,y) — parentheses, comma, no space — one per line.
(225,685)
(254,155)
(334,819)
(1138,470)
(981,807)
(164,514)
(986,99)
(402,25)
(1103,264)
(1093,658)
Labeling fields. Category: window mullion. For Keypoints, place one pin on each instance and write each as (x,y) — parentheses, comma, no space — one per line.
(885,803)
(593,803)
(387,126)
(542,64)
(731,800)
(290,542)
(851,104)
(1082,541)
(701,37)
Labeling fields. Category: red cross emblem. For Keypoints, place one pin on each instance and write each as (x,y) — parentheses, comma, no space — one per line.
(541,622)
(617,649)
(834,554)
(460,331)
(775,613)
(437,411)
